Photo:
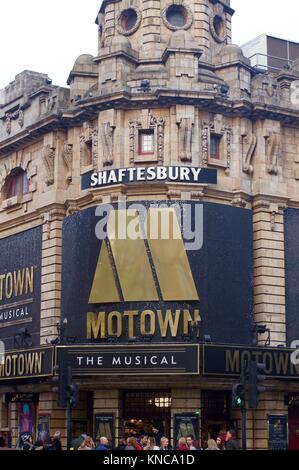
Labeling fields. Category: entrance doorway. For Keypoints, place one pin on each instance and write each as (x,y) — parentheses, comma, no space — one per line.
(215,412)
(145,409)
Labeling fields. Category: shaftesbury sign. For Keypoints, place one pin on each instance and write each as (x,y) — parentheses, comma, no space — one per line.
(131,359)
(226,360)
(27,364)
(172,174)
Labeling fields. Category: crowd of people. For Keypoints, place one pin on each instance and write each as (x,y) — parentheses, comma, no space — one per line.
(156,441)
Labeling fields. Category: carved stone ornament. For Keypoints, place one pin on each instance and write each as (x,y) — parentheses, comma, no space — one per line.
(16,116)
(49,163)
(272,152)
(147,121)
(186,132)
(205,135)
(249,142)
(106,135)
(89,138)
(67,156)
(8,124)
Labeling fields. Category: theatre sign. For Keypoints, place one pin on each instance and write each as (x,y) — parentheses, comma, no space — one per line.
(27,364)
(225,360)
(20,285)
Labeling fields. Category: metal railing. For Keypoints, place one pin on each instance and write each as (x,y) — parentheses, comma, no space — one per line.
(263,62)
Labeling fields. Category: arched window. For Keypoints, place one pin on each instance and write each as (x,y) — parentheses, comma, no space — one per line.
(17,183)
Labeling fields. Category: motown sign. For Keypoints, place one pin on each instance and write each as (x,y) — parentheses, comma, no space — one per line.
(151,288)
(221,360)
(20,275)
(26,364)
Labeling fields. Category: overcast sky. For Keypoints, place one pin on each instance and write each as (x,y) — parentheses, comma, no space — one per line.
(48,35)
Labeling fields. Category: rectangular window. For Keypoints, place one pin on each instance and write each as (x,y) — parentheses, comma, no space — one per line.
(88,152)
(215,146)
(146,142)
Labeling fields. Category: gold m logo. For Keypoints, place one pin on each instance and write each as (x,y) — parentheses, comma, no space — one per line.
(138,269)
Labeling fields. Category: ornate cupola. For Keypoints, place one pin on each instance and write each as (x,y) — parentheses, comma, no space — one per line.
(159,40)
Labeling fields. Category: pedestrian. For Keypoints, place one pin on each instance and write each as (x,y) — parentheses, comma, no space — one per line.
(104,444)
(28,443)
(231,440)
(151,444)
(57,441)
(182,444)
(121,444)
(157,435)
(45,441)
(212,445)
(87,444)
(165,444)
(132,444)
(143,441)
(2,442)
(220,443)
(190,442)
(78,441)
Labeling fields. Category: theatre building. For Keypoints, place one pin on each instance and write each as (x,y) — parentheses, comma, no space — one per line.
(169,123)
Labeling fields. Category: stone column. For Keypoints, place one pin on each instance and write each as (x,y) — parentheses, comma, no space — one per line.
(51,275)
(269,269)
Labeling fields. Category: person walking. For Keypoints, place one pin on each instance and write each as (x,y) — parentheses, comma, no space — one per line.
(57,441)
(220,443)
(122,443)
(165,444)
(212,445)
(151,444)
(190,442)
(182,444)
(143,441)
(231,440)
(157,435)
(104,444)
(132,444)
(87,444)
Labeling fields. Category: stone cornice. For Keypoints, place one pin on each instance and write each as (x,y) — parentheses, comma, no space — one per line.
(87,109)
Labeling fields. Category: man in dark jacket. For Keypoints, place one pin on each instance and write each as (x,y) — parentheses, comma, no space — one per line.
(157,435)
(231,441)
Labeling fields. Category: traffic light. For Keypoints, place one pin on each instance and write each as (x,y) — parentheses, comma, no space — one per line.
(72,392)
(60,380)
(238,396)
(256,377)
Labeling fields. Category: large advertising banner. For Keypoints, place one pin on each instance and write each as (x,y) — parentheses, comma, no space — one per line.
(158,272)
(291,228)
(20,286)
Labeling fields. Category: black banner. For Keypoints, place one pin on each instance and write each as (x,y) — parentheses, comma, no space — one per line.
(28,363)
(226,360)
(109,296)
(131,360)
(158,174)
(20,286)
(291,237)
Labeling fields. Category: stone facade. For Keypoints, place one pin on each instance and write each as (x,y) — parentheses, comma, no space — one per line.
(197,85)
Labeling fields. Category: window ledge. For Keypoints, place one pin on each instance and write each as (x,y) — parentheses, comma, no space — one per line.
(146,158)
(87,169)
(217,163)
(12,202)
